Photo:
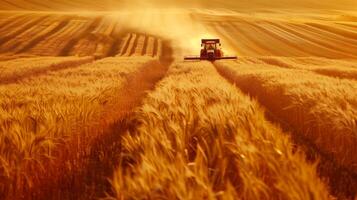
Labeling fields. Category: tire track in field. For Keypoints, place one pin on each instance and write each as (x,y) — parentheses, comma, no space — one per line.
(342,181)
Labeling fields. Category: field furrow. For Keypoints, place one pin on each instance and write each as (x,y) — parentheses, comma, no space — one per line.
(194,139)
(322,110)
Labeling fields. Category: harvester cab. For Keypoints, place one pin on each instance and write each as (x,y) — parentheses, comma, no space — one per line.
(210,51)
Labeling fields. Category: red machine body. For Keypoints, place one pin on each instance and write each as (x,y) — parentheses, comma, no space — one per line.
(210,51)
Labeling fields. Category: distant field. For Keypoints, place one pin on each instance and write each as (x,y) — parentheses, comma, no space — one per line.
(54,35)
(101,36)
(100,104)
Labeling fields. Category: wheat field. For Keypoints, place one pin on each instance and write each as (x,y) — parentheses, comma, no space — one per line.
(96,101)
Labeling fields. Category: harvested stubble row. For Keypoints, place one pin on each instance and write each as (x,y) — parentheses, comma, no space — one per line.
(198,137)
(60,107)
(98,42)
(322,109)
(17,69)
(329,67)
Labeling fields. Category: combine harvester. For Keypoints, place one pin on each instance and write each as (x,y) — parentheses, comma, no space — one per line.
(210,51)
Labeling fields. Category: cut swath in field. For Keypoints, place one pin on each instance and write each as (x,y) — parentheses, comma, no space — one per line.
(199,137)
(98,42)
(69,108)
(140,45)
(321,109)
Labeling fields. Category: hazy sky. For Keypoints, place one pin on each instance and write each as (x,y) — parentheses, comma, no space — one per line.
(231,4)
(333,4)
